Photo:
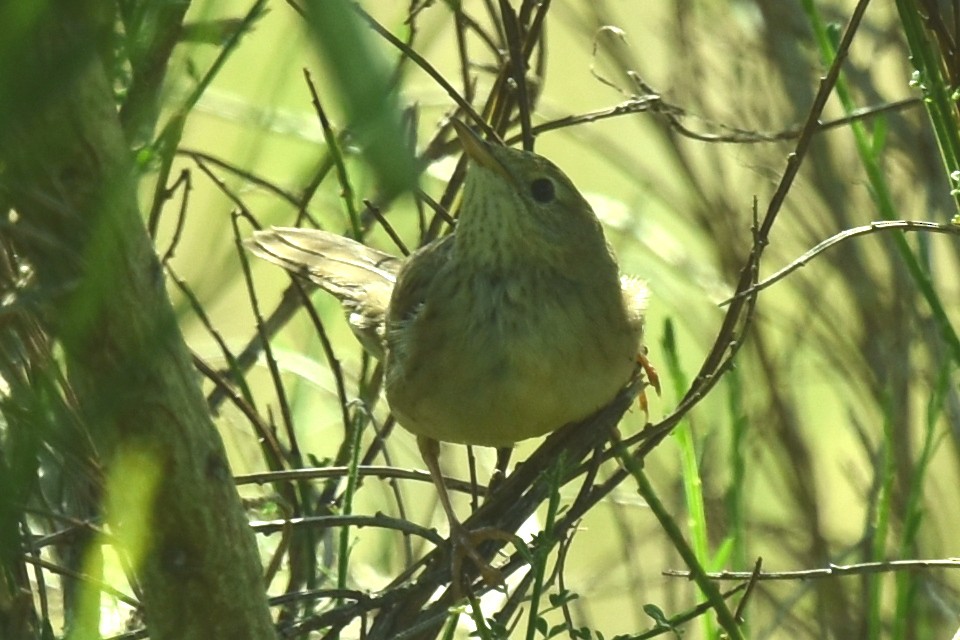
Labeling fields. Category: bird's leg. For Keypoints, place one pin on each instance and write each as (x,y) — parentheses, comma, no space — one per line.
(464,542)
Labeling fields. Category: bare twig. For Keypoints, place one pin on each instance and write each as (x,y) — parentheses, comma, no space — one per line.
(848,234)
(831,571)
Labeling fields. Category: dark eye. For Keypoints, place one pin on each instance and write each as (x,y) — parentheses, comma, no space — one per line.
(542,190)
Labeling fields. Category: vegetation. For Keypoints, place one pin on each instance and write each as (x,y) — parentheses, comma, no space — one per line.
(159,390)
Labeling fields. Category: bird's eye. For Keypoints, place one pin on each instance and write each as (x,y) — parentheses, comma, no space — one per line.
(542,190)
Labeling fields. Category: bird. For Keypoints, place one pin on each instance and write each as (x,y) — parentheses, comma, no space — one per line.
(515,324)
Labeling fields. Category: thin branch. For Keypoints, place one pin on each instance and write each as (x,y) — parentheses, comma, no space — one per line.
(377,520)
(882,225)
(831,571)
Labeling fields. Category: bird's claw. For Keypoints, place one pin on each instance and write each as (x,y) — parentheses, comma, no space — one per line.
(653,380)
(465,543)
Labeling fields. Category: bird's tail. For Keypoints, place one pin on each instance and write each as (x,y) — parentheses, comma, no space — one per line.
(362,278)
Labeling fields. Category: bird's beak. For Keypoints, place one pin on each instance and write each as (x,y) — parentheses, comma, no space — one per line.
(479,150)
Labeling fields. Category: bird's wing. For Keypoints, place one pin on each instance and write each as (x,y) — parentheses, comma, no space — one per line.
(416,277)
(414,283)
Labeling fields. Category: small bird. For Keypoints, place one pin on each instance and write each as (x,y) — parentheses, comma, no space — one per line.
(512,326)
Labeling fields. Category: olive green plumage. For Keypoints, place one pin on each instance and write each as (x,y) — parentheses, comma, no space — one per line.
(516,324)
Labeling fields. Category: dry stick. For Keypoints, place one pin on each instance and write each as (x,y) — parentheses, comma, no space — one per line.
(269,444)
(298,290)
(881,225)
(469,88)
(742,136)
(333,147)
(272,366)
(831,571)
(341,471)
(425,66)
(751,584)
(299,501)
(377,520)
(656,104)
(87,580)
(249,177)
(499,106)
(185,179)
(648,99)
(277,319)
(377,215)
(517,69)
(290,302)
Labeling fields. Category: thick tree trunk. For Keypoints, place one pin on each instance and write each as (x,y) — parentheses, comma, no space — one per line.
(67,170)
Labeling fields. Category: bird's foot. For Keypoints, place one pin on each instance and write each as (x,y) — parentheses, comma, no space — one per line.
(464,544)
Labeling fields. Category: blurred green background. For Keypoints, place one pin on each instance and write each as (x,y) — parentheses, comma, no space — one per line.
(835,437)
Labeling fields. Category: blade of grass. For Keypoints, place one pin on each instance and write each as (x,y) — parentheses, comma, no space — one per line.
(689,468)
(669,525)
(881,525)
